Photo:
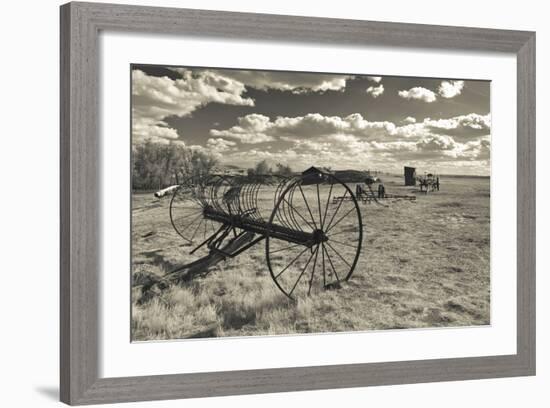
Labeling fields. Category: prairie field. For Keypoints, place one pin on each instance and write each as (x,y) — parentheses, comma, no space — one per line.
(422,263)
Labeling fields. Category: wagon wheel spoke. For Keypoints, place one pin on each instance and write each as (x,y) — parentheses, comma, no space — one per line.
(338,208)
(343,243)
(285,248)
(326,206)
(324,272)
(196,229)
(307,205)
(339,220)
(313,270)
(319,206)
(291,262)
(338,253)
(302,273)
(188,225)
(340,233)
(331,260)
(298,212)
(187,216)
(331,264)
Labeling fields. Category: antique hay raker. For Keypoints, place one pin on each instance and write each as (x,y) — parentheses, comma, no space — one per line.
(312,243)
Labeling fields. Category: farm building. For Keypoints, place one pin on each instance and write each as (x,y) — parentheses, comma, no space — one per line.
(315,170)
(410,176)
(313,173)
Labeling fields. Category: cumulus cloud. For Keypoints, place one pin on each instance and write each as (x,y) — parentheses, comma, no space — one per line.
(255,128)
(409,119)
(450,89)
(296,82)
(375,91)
(418,93)
(219,144)
(461,127)
(156,98)
(333,140)
(374,79)
(251,129)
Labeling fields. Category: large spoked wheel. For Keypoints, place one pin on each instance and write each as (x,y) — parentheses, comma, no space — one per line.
(324,209)
(187,213)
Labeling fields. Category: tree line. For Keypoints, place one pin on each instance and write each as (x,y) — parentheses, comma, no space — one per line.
(156,166)
(264,168)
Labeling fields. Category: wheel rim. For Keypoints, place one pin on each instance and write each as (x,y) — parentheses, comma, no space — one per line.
(310,206)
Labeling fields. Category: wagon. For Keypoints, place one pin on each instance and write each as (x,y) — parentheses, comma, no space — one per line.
(312,243)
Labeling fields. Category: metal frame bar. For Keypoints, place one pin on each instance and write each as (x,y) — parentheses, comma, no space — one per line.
(80,234)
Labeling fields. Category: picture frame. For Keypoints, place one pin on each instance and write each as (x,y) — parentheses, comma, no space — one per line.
(80,233)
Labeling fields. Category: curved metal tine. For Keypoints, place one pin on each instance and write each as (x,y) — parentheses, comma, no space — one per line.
(214,193)
(303,271)
(281,213)
(278,190)
(330,261)
(254,206)
(338,253)
(282,210)
(236,185)
(331,226)
(313,270)
(250,200)
(268,184)
(218,196)
(235,199)
(254,198)
(291,262)
(237,182)
(299,214)
(307,205)
(291,209)
(286,208)
(210,190)
(243,197)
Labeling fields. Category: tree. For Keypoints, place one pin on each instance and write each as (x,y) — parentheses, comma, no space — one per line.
(263,168)
(283,170)
(156,165)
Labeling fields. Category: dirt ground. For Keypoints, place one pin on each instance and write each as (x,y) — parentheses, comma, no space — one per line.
(423,263)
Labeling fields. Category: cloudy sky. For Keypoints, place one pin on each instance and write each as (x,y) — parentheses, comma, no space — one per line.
(303,119)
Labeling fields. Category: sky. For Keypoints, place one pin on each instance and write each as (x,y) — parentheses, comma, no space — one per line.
(341,121)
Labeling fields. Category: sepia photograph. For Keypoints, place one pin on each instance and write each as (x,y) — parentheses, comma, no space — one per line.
(287,203)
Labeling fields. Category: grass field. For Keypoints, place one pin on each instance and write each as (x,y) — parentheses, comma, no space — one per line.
(422,264)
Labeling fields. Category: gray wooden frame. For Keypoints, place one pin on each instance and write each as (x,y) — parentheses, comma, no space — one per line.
(80,234)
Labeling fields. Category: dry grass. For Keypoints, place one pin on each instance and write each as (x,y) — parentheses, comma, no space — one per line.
(423,264)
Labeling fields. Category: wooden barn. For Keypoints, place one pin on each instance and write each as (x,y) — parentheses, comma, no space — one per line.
(313,173)
(410,176)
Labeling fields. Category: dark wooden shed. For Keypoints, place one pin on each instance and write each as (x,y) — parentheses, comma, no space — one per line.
(313,174)
(410,176)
